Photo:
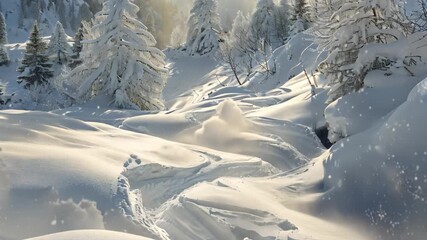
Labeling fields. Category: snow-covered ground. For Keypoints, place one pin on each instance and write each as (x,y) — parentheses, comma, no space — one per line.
(224,161)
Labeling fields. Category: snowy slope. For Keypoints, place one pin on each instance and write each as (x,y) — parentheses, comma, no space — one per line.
(224,161)
(20,18)
(145,179)
(384,169)
(72,171)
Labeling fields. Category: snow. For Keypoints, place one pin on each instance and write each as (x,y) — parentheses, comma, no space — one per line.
(223,161)
(90,235)
(186,176)
(383,154)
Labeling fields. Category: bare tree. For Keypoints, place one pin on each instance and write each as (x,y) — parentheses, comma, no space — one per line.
(227,55)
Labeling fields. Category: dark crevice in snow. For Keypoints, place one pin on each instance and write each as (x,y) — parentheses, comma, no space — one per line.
(322,134)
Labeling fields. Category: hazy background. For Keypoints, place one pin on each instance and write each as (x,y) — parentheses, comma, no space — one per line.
(168,18)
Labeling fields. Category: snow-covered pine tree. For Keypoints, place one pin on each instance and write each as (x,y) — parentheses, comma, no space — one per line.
(121,62)
(58,46)
(35,67)
(4,56)
(204,26)
(75,58)
(345,30)
(263,24)
(3,31)
(243,50)
(1,94)
(282,20)
(300,16)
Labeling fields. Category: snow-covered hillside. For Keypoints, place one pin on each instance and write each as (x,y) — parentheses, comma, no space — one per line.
(270,159)
(20,16)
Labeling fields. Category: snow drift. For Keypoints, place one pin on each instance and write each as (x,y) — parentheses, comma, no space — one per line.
(384,169)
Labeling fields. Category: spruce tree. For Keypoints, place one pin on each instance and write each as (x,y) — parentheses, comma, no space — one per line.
(282,21)
(58,46)
(35,67)
(75,58)
(4,56)
(1,94)
(240,44)
(121,61)
(262,29)
(3,31)
(300,16)
(204,27)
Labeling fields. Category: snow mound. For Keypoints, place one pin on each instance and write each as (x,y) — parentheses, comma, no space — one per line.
(359,111)
(383,169)
(228,130)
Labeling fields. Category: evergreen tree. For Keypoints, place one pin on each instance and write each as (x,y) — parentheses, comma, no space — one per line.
(204,26)
(121,61)
(1,94)
(35,68)
(300,16)
(282,21)
(345,30)
(3,31)
(58,46)
(242,48)
(4,55)
(75,58)
(262,29)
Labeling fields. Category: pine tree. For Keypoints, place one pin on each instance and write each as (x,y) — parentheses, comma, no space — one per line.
(4,55)
(1,94)
(75,58)
(300,16)
(204,26)
(282,21)
(262,29)
(58,46)
(3,31)
(35,68)
(343,30)
(239,43)
(121,61)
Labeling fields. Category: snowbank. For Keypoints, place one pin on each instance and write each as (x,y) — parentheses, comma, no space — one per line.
(381,173)
(359,111)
